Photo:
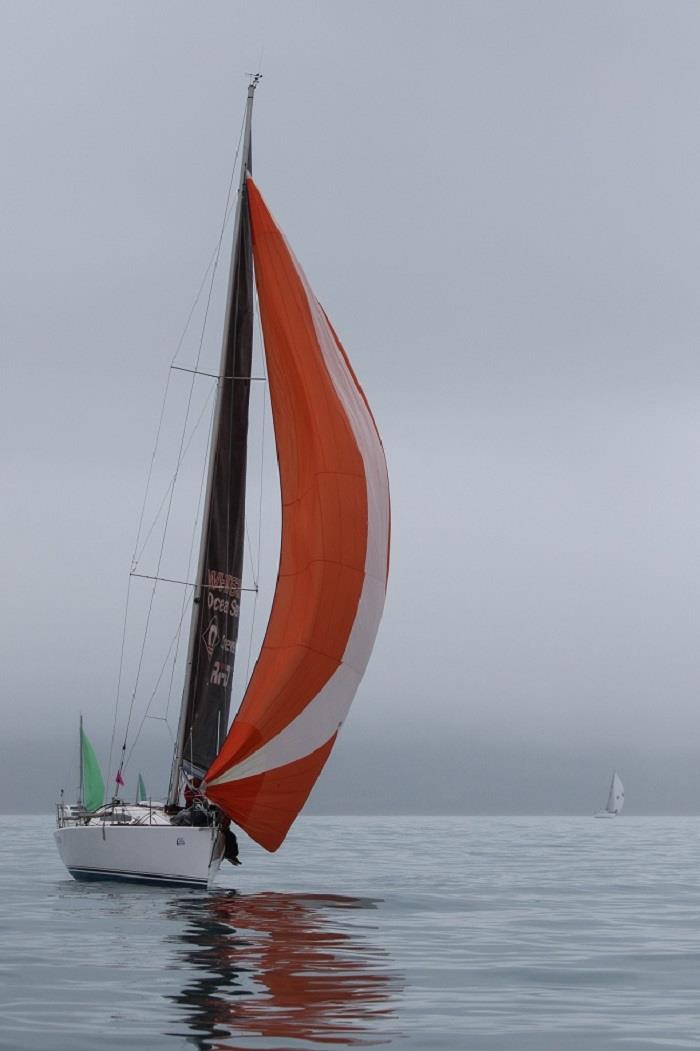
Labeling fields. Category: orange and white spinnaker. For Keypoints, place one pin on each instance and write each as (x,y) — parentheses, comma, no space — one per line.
(333,561)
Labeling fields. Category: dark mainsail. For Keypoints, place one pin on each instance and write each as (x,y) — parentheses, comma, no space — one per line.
(216,609)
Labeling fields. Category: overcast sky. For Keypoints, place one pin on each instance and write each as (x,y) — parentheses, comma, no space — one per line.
(498,205)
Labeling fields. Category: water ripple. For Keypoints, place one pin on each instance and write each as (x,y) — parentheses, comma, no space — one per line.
(446,933)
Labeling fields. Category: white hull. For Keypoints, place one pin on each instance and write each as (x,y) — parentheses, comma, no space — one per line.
(157,853)
(604,813)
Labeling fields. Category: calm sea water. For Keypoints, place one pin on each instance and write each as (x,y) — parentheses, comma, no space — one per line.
(493,933)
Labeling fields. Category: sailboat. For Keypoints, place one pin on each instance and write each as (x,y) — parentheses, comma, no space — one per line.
(616,798)
(329,594)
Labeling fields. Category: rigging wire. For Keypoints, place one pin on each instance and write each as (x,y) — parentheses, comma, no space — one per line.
(190,565)
(256,569)
(262,463)
(178,633)
(153,459)
(119,680)
(255,561)
(172,482)
(173,641)
(213,259)
(212,268)
(136,558)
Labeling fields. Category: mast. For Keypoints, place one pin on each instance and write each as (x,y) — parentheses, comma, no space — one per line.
(203,588)
(610,806)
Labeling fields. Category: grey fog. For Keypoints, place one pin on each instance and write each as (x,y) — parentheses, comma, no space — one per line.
(499,206)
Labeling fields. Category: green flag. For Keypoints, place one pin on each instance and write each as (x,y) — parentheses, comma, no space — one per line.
(93,785)
(141,793)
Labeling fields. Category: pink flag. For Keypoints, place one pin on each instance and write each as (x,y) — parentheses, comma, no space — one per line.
(120,779)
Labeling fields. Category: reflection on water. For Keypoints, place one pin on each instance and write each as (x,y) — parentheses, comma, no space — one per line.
(488,925)
(283,967)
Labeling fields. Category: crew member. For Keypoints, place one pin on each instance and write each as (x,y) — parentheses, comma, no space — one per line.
(194,811)
(230,840)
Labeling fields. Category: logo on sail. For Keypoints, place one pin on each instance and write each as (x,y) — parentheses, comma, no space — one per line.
(224,582)
(227,603)
(211,637)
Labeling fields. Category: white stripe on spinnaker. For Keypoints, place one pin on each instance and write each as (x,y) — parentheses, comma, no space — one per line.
(313,727)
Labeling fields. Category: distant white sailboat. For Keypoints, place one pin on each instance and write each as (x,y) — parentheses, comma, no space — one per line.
(616,798)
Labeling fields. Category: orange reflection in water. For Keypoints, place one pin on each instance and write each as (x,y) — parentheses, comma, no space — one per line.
(283,966)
